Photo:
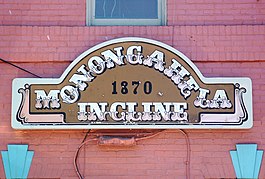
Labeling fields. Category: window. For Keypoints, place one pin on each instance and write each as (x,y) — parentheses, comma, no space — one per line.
(126,12)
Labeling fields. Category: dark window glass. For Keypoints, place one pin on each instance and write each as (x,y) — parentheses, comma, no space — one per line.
(126,9)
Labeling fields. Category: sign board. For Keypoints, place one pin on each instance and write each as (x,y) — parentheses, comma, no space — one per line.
(131,83)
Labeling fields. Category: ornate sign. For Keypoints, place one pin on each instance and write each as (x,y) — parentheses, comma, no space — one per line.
(131,83)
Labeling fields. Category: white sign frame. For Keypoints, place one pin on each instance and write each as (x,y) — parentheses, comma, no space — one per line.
(19,83)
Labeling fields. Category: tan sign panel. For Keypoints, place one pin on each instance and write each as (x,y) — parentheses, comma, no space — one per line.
(132,83)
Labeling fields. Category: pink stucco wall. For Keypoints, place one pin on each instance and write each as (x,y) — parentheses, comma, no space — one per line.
(223,38)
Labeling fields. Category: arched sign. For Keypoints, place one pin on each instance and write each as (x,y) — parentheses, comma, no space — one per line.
(131,83)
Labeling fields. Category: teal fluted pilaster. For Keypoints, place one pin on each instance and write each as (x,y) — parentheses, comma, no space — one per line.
(246,160)
(17,160)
